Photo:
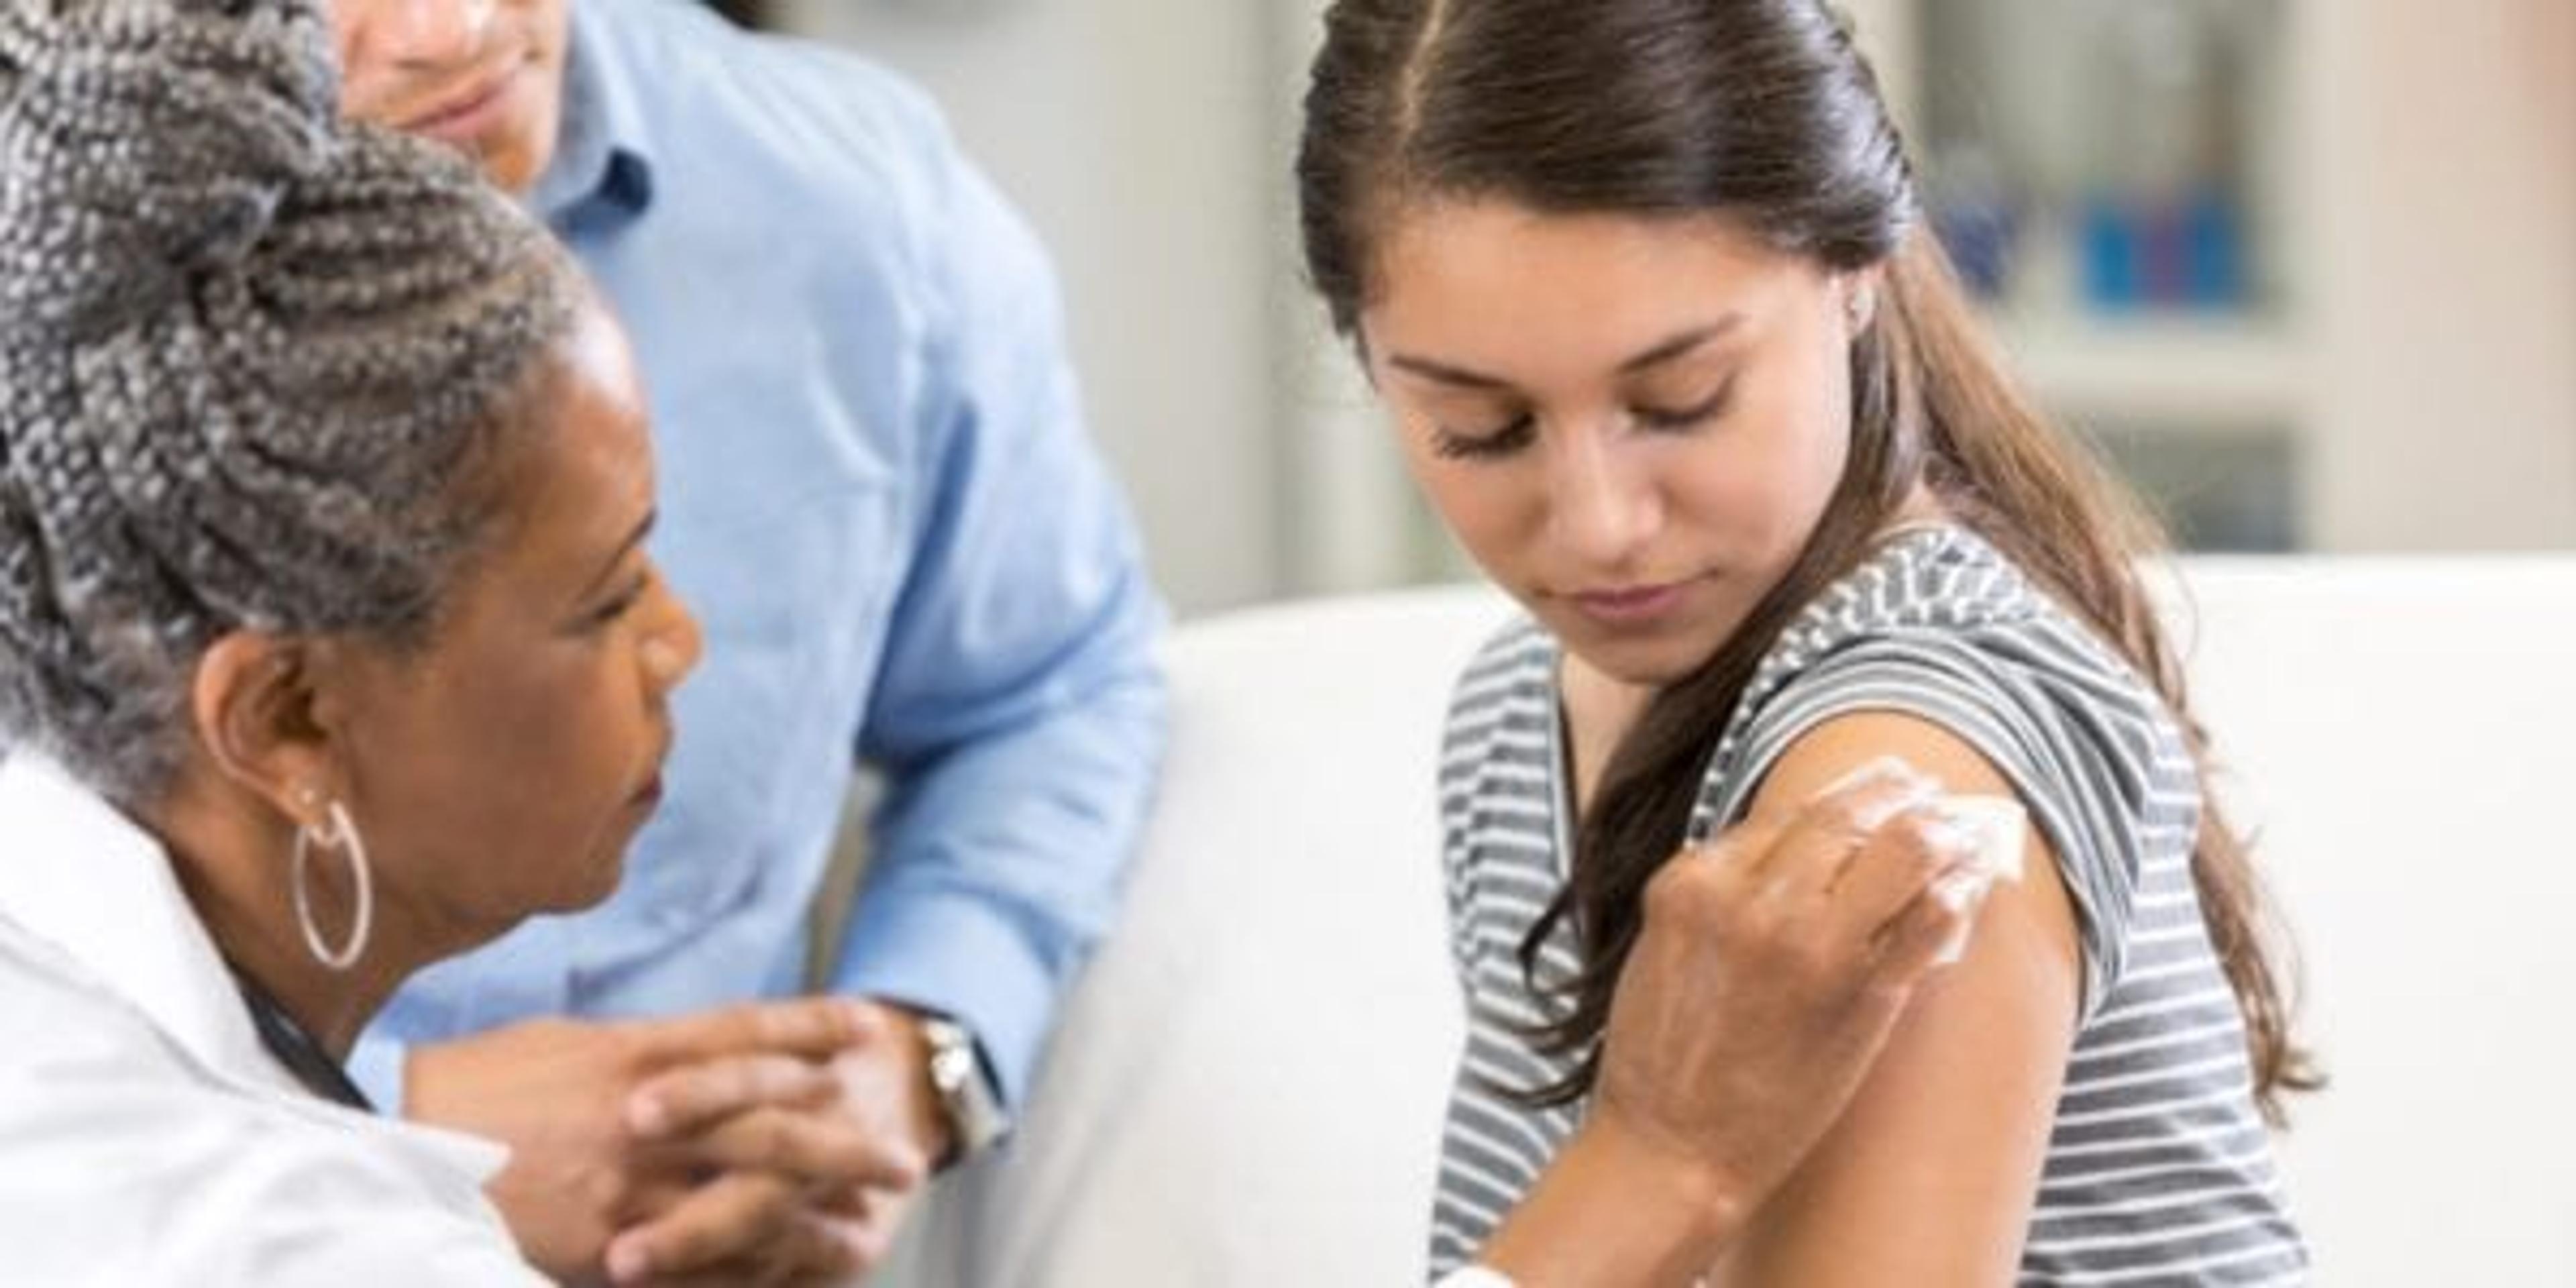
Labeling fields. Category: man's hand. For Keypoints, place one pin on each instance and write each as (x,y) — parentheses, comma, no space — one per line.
(792,1196)
(556,1093)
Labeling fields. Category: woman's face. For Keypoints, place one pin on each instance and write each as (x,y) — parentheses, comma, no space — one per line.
(1631,424)
(501,770)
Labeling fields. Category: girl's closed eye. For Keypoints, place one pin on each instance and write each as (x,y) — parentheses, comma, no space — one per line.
(1657,416)
(1488,444)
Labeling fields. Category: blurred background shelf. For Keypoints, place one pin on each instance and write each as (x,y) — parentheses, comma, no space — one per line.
(2106,176)
(2181,371)
(2372,346)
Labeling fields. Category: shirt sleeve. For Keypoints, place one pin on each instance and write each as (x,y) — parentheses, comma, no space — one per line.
(132,1178)
(1018,716)
(299,1208)
(2089,750)
(376,1064)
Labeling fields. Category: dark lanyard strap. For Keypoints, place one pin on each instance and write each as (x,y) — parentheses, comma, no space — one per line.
(297,1050)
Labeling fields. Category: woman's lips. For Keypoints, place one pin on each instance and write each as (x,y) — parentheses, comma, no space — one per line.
(650,794)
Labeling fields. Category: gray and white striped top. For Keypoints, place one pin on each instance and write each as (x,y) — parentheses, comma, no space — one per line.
(2159,1166)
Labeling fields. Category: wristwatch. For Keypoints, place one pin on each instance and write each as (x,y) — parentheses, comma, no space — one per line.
(976,1121)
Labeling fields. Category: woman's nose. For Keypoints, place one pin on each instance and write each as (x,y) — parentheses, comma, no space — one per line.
(673,648)
(1604,509)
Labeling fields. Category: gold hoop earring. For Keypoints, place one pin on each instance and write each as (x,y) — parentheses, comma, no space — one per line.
(339,835)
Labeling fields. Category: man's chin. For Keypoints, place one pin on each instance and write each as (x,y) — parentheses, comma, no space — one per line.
(510,161)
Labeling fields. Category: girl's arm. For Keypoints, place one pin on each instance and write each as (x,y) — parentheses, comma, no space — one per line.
(1771,967)
(1930,1176)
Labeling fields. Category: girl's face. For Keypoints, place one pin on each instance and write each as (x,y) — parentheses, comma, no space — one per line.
(1632,424)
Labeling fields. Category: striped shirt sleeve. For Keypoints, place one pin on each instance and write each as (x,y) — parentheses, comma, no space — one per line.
(2090,752)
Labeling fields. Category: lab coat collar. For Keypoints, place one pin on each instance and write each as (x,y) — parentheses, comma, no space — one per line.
(86,879)
(94,885)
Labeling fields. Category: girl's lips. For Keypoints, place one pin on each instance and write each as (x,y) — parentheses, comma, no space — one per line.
(1630,606)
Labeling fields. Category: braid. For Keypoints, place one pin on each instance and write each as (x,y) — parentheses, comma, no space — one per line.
(248,356)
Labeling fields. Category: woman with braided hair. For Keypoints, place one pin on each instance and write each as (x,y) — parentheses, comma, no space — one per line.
(328,644)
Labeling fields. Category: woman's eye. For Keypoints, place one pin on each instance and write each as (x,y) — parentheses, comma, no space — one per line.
(623,602)
(1493,443)
(1690,417)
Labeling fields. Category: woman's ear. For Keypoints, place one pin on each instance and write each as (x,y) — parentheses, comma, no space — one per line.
(256,708)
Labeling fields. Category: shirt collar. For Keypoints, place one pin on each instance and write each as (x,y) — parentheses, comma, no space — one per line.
(603,160)
(97,887)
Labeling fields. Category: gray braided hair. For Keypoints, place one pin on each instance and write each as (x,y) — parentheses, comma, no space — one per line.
(249,358)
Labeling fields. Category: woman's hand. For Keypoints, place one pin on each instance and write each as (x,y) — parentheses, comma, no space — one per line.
(581,1169)
(1772,964)
(798,1192)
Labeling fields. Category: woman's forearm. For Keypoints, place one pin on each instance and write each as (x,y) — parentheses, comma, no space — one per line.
(1614,1208)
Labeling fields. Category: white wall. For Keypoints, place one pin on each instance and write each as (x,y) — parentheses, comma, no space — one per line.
(2440,217)
(1355,520)
(1138,137)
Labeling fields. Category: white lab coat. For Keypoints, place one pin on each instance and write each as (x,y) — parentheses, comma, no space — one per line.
(146,1137)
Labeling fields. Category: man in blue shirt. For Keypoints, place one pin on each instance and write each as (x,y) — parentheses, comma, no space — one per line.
(877,494)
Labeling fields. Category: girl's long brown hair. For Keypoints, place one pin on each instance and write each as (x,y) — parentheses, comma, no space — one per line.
(1763,112)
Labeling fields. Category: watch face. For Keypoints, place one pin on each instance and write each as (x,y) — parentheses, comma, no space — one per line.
(957,1074)
(950,1066)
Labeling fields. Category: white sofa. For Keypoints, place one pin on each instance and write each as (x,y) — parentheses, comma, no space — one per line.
(1248,1085)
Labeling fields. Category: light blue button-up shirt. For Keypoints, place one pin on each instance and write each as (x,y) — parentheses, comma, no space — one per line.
(877,494)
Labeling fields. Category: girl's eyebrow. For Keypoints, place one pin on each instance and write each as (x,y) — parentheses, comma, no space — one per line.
(1656,355)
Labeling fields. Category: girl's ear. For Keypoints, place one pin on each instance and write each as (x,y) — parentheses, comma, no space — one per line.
(1860,301)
